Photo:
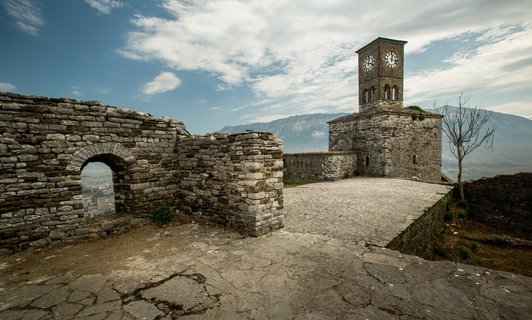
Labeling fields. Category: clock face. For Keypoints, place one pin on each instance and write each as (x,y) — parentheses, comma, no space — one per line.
(391,59)
(369,62)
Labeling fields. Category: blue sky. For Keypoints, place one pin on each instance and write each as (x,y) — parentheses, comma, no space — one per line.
(227,62)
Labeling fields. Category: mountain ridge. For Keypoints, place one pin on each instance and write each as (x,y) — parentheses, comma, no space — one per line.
(512,148)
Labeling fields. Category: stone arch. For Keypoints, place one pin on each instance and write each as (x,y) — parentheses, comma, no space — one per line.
(80,157)
(386,92)
(395,93)
(119,159)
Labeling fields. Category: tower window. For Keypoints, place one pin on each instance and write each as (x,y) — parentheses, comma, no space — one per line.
(395,92)
(386,92)
(414,159)
(367,161)
(372,93)
(366,96)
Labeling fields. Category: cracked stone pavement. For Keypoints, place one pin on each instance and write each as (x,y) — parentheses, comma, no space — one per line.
(327,263)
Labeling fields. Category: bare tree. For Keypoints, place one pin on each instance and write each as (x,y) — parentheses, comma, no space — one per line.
(467,129)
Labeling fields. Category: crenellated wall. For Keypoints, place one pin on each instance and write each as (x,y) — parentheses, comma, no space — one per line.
(46,142)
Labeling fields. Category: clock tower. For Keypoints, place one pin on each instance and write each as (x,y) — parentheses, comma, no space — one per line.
(380,74)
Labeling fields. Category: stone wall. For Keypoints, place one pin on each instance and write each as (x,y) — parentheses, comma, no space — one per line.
(234,180)
(504,201)
(391,143)
(318,166)
(418,238)
(46,142)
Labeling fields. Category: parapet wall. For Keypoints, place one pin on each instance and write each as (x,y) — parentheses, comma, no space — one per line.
(504,201)
(234,180)
(45,143)
(318,166)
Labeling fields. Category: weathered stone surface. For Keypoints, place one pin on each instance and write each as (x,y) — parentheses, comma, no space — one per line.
(323,270)
(155,161)
(391,142)
(66,310)
(503,201)
(52,298)
(181,291)
(142,310)
(100,308)
(318,166)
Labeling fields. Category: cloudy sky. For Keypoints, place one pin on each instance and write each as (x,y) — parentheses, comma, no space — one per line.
(216,63)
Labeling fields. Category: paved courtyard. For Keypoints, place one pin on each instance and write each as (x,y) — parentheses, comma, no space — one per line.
(326,263)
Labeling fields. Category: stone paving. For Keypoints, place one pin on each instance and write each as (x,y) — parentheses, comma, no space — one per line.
(315,268)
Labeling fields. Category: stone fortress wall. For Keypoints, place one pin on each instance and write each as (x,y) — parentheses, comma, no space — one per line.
(504,201)
(45,143)
(318,166)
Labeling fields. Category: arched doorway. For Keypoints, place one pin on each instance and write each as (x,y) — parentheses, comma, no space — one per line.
(97,190)
(120,180)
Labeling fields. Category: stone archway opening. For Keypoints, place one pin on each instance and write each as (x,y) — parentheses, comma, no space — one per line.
(111,174)
(97,190)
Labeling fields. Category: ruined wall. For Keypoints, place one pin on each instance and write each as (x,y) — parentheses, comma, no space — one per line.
(504,201)
(391,143)
(45,143)
(232,179)
(318,166)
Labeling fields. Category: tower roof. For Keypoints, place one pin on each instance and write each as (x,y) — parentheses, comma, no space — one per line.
(381,39)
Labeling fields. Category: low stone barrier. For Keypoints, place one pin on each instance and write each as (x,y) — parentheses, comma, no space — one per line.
(318,166)
(417,238)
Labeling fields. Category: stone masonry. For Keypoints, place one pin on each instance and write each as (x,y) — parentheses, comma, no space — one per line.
(391,142)
(46,142)
(318,166)
(234,180)
(504,201)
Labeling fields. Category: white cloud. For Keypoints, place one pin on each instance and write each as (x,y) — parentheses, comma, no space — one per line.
(298,56)
(165,81)
(503,62)
(105,6)
(27,15)
(520,108)
(214,108)
(7,87)
(76,91)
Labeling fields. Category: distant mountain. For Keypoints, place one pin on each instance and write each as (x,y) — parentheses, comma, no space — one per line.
(512,148)
(307,132)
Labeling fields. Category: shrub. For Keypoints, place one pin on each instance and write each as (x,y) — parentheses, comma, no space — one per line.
(447,216)
(162,215)
(463,204)
(415,108)
(464,252)
(474,247)
(463,215)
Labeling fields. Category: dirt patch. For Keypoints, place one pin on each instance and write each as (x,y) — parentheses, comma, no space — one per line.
(468,241)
